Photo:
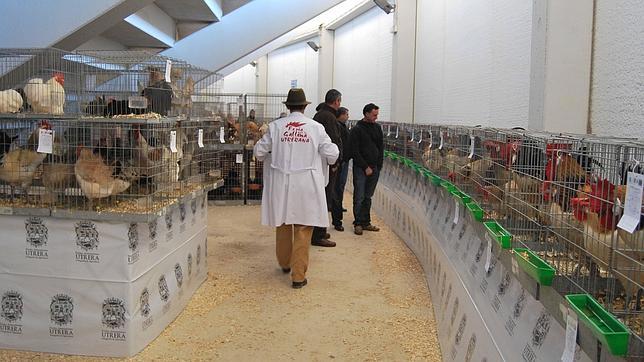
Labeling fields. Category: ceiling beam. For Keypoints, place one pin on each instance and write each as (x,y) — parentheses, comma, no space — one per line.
(352,14)
(215,7)
(244,31)
(156,23)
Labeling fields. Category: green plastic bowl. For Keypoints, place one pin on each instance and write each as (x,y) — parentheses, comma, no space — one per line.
(604,325)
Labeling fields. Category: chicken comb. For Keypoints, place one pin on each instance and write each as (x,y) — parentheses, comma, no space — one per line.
(602,195)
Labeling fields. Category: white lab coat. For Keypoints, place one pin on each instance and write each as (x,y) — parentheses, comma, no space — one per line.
(297,153)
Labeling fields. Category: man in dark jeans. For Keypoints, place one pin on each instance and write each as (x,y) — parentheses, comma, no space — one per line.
(326,115)
(366,143)
(336,206)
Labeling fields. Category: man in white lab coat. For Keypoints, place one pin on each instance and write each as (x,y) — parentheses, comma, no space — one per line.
(296,152)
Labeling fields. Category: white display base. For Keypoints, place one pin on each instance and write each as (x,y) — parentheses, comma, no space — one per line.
(98,288)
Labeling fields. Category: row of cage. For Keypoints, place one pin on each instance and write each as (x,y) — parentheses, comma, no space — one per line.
(560,195)
(119,131)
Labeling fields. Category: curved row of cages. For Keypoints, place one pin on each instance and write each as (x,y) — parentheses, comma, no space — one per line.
(560,195)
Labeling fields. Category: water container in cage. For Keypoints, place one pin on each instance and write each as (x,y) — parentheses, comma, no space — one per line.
(137,102)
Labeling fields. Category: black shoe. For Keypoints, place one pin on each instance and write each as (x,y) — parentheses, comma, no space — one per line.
(338,227)
(286,270)
(327,236)
(344,210)
(323,242)
(298,285)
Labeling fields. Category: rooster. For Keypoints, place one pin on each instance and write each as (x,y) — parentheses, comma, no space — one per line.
(95,177)
(48,97)
(19,165)
(10,101)
(604,242)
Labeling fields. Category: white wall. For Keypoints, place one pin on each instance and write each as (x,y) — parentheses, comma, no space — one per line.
(362,69)
(617,103)
(473,62)
(294,62)
(242,80)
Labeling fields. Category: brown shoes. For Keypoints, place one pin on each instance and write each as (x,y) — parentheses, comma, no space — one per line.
(357,230)
(323,242)
(371,228)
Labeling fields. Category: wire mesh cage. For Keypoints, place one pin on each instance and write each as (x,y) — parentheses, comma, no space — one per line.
(224,115)
(92,165)
(231,164)
(262,109)
(140,84)
(38,82)
(254,179)
(585,197)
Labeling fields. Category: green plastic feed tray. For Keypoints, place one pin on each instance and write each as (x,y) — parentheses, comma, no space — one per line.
(448,186)
(461,196)
(475,210)
(436,180)
(536,267)
(502,236)
(605,326)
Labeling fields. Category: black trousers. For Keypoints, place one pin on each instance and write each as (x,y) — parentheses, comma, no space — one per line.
(338,196)
(329,190)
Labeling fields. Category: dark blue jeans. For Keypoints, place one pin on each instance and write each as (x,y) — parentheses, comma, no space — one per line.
(363,189)
(338,196)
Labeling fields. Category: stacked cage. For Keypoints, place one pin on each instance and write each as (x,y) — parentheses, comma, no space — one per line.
(39,91)
(224,114)
(38,83)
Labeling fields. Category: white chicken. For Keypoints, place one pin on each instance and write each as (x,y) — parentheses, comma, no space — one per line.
(10,101)
(48,97)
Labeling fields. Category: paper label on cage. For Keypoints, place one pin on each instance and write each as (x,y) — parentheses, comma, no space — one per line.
(571,337)
(200,138)
(633,204)
(471,147)
(239,158)
(173,141)
(168,69)
(488,254)
(45,141)
(440,146)
(222,135)
(456,211)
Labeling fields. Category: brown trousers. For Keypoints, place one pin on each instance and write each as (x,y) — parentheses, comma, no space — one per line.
(292,249)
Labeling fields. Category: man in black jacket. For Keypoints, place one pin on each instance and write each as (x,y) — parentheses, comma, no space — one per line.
(366,143)
(326,115)
(336,206)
